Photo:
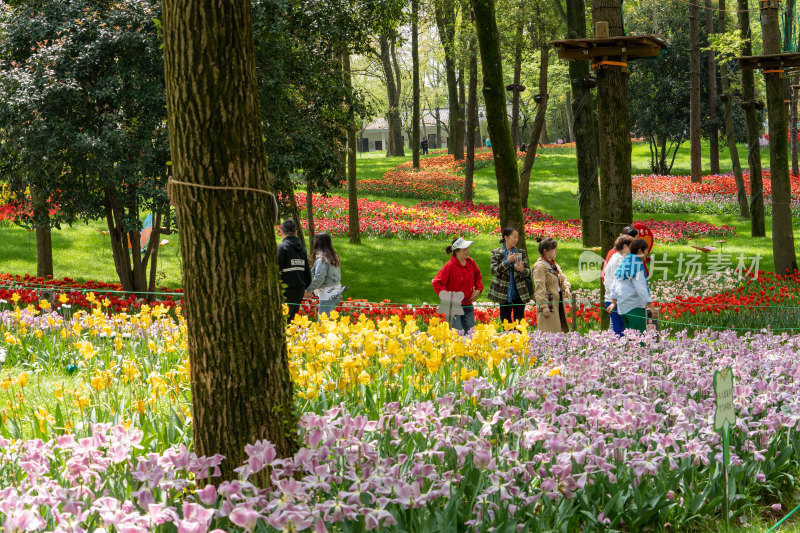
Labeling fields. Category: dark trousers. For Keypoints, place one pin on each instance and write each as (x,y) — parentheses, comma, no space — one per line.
(294,298)
(515,307)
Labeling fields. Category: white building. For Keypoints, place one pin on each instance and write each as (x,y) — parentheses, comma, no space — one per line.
(375,136)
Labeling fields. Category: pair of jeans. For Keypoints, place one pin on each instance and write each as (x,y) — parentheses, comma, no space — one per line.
(616,321)
(327,306)
(464,322)
(515,307)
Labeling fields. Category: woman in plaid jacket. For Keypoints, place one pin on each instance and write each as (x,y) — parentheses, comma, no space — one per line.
(511,277)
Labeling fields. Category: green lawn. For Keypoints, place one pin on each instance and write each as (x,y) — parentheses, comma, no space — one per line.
(395,269)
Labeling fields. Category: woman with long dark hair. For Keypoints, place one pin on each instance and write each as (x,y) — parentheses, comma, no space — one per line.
(511,274)
(327,282)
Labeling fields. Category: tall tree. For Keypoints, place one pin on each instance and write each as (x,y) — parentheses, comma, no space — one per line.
(472,120)
(503,150)
(241,388)
(694,95)
(733,150)
(584,128)
(353,229)
(782,232)
(793,126)
(392,77)
(539,124)
(753,126)
(516,89)
(712,125)
(446,12)
(415,142)
(616,208)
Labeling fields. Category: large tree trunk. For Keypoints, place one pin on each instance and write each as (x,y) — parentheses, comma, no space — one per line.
(415,142)
(310,212)
(741,192)
(757,227)
(614,132)
(539,124)
(694,96)
(713,136)
(585,131)
(505,156)
(472,121)
(782,233)
(393,88)
(241,387)
(793,127)
(44,243)
(515,93)
(446,24)
(353,224)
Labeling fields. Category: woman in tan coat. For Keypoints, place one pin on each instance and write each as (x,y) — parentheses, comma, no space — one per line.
(551,289)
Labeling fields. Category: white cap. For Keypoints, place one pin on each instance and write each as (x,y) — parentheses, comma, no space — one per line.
(460,244)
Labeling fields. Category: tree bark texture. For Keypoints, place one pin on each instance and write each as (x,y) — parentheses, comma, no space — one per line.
(694,96)
(585,131)
(505,156)
(616,208)
(782,233)
(515,93)
(713,136)
(753,127)
(44,242)
(570,118)
(539,124)
(472,121)
(393,89)
(415,141)
(241,388)
(446,24)
(741,192)
(793,127)
(353,222)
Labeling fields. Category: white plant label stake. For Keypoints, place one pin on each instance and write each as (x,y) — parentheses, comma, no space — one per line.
(724,418)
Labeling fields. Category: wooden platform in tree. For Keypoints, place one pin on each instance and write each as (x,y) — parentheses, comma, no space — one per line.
(768,62)
(625,47)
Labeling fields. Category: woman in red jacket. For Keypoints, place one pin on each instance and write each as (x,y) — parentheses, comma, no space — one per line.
(460,274)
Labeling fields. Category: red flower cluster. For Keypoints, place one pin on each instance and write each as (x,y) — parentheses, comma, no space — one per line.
(712,184)
(15,211)
(30,289)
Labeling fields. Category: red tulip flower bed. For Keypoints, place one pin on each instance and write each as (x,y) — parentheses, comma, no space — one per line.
(30,289)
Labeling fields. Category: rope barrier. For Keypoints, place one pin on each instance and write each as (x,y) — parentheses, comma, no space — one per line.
(172,182)
(773,528)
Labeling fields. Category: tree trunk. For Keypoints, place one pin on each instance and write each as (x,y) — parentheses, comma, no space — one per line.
(570,118)
(539,124)
(505,157)
(713,126)
(353,224)
(544,138)
(782,233)
(753,126)
(241,388)
(44,243)
(446,24)
(730,135)
(415,142)
(119,240)
(614,132)
(585,131)
(393,88)
(310,212)
(472,121)
(694,95)
(793,127)
(515,93)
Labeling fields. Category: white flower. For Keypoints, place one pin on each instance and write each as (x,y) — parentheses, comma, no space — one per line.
(2,356)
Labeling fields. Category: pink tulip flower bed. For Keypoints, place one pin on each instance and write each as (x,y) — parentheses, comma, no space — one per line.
(603,434)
